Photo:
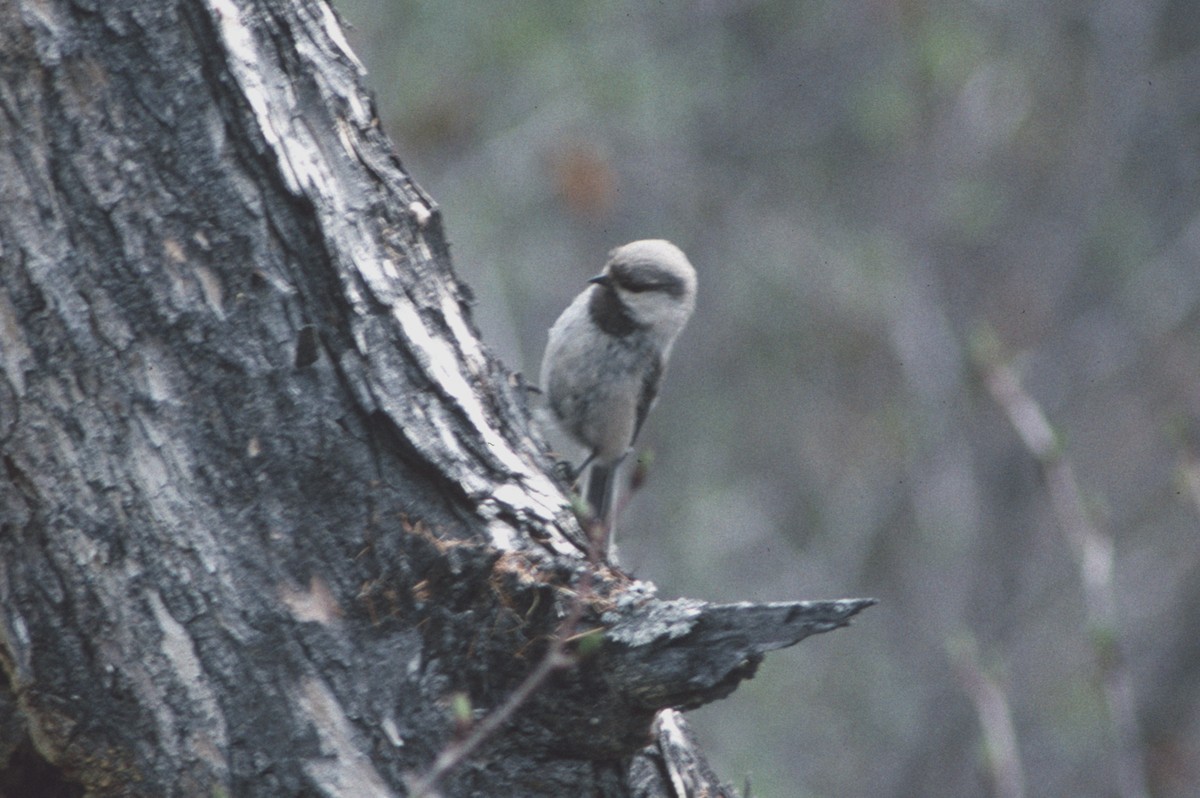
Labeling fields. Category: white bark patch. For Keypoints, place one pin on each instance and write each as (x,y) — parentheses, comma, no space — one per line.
(344,771)
(392,732)
(420,213)
(295,160)
(316,604)
(334,30)
(668,726)
(441,364)
(210,286)
(208,739)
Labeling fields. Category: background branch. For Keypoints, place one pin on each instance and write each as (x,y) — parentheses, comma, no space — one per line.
(1093,551)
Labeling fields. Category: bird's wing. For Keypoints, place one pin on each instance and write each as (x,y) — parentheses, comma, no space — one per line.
(650,382)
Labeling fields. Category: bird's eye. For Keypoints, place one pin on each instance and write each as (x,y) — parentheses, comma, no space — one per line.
(640,280)
(638,284)
(637,288)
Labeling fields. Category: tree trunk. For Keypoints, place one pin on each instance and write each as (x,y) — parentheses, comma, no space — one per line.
(272,520)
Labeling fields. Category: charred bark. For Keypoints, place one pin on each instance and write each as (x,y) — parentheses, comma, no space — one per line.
(267,504)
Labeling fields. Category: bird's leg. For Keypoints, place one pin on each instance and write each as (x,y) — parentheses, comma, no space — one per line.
(582,466)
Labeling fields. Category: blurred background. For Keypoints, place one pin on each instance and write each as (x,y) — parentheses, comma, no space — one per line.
(873,194)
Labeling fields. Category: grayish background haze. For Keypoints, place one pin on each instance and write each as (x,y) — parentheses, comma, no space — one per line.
(865,188)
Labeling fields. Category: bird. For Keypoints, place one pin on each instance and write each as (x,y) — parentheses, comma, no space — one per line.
(606,355)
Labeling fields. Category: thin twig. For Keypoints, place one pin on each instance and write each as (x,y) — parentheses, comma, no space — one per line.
(1094,557)
(995,719)
(455,754)
(556,658)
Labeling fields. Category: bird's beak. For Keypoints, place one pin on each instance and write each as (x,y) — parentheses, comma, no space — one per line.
(601,279)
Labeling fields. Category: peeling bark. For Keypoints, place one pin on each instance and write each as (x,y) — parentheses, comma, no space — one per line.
(267,502)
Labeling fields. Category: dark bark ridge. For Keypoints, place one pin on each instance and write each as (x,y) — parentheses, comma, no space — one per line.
(267,503)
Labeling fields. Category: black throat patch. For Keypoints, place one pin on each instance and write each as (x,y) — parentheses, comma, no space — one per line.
(610,314)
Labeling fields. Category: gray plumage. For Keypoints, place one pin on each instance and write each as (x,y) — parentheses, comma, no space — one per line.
(608,350)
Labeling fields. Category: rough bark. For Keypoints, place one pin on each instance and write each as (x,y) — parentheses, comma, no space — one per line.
(267,504)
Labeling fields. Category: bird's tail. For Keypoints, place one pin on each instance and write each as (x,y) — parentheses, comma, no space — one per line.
(601,497)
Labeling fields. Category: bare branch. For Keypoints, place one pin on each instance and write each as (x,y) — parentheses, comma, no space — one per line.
(1093,551)
(995,719)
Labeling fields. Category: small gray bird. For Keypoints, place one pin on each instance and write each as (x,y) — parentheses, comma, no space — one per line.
(607,352)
